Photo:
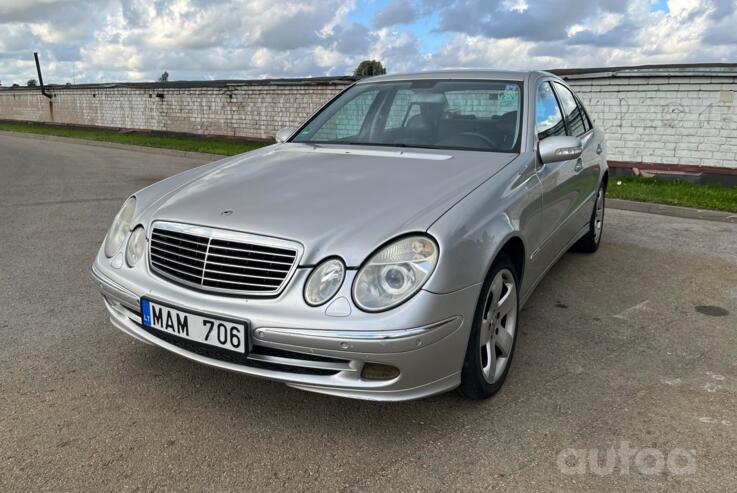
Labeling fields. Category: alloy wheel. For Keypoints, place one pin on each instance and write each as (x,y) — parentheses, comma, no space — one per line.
(498,326)
(599,216)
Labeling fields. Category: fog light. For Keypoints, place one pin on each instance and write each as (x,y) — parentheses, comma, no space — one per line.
(375,371)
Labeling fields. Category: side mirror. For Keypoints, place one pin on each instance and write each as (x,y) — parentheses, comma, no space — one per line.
(283,134)
(559,148)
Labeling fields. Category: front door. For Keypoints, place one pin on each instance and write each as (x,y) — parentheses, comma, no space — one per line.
(558,183)
(584,181)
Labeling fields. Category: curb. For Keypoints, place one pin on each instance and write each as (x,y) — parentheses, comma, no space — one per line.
(672,210)
(115,145)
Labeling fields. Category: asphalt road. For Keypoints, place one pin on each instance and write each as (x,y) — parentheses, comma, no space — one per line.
(634,347)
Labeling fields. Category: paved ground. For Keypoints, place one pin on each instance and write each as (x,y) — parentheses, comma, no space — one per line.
(634,347)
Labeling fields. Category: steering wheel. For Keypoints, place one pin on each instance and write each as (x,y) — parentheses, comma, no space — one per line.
(487,140)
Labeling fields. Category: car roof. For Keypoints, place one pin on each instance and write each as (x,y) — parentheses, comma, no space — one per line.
(456,74)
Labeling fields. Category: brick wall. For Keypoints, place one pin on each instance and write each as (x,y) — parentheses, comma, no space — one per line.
(650,116)
(250,109)
(665,119)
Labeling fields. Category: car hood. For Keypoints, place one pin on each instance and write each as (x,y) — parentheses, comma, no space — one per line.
(334,200)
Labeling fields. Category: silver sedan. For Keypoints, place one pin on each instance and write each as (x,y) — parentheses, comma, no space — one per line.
(380,251)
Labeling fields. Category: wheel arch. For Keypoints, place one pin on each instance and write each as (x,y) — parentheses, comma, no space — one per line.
(514,247)
(467,259)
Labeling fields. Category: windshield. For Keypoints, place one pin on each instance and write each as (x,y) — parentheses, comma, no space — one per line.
(444,114)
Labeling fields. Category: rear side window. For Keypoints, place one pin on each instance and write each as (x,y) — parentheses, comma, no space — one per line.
(548,118)
(585,115)
(573,114)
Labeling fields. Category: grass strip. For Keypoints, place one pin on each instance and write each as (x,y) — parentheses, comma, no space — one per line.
(225,147)
(698,196)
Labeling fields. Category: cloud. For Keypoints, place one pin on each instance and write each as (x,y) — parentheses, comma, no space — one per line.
(352,40)
(533,20)
(724,15)
(111,40)
(291,25)
(396,12)
(398,51)
(33,10)
(623,34)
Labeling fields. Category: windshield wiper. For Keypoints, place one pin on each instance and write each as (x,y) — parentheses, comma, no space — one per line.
(402,145)
(387,144)
(371,144)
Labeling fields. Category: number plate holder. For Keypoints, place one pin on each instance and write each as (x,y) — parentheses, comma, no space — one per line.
(219,332)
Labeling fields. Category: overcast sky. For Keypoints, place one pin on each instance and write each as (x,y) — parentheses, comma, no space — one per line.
(136,40)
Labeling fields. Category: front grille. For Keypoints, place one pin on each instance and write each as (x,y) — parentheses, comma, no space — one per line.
(220,261)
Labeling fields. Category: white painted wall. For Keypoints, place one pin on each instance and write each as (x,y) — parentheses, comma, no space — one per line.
(242,110)
(654,118)
(671,120)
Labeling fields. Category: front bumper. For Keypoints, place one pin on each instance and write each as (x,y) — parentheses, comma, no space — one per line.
(303,346)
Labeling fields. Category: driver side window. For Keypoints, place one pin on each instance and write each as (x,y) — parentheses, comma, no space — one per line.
(548,118)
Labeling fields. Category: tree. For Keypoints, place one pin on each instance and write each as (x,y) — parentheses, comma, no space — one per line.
(31,83)
(164,77)
(369,68)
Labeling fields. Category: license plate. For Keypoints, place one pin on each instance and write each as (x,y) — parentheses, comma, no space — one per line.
(224,334)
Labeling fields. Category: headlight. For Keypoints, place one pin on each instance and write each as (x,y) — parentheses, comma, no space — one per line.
(120,227)
(395,273)
(324,282)
(136,246)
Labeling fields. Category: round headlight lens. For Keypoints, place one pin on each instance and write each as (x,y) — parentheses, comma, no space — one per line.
(120,227)
(324,282)
(395,273)
(136,246)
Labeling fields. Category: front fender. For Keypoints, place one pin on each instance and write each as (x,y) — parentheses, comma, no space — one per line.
(471,234)
(467,258)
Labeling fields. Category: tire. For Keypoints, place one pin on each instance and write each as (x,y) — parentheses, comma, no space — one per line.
(494,328)
(590,242)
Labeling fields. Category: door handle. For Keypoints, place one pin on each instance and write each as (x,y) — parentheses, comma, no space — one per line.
(599,150)
(579,165)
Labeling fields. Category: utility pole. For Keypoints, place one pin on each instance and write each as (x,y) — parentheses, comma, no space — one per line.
(40,78)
